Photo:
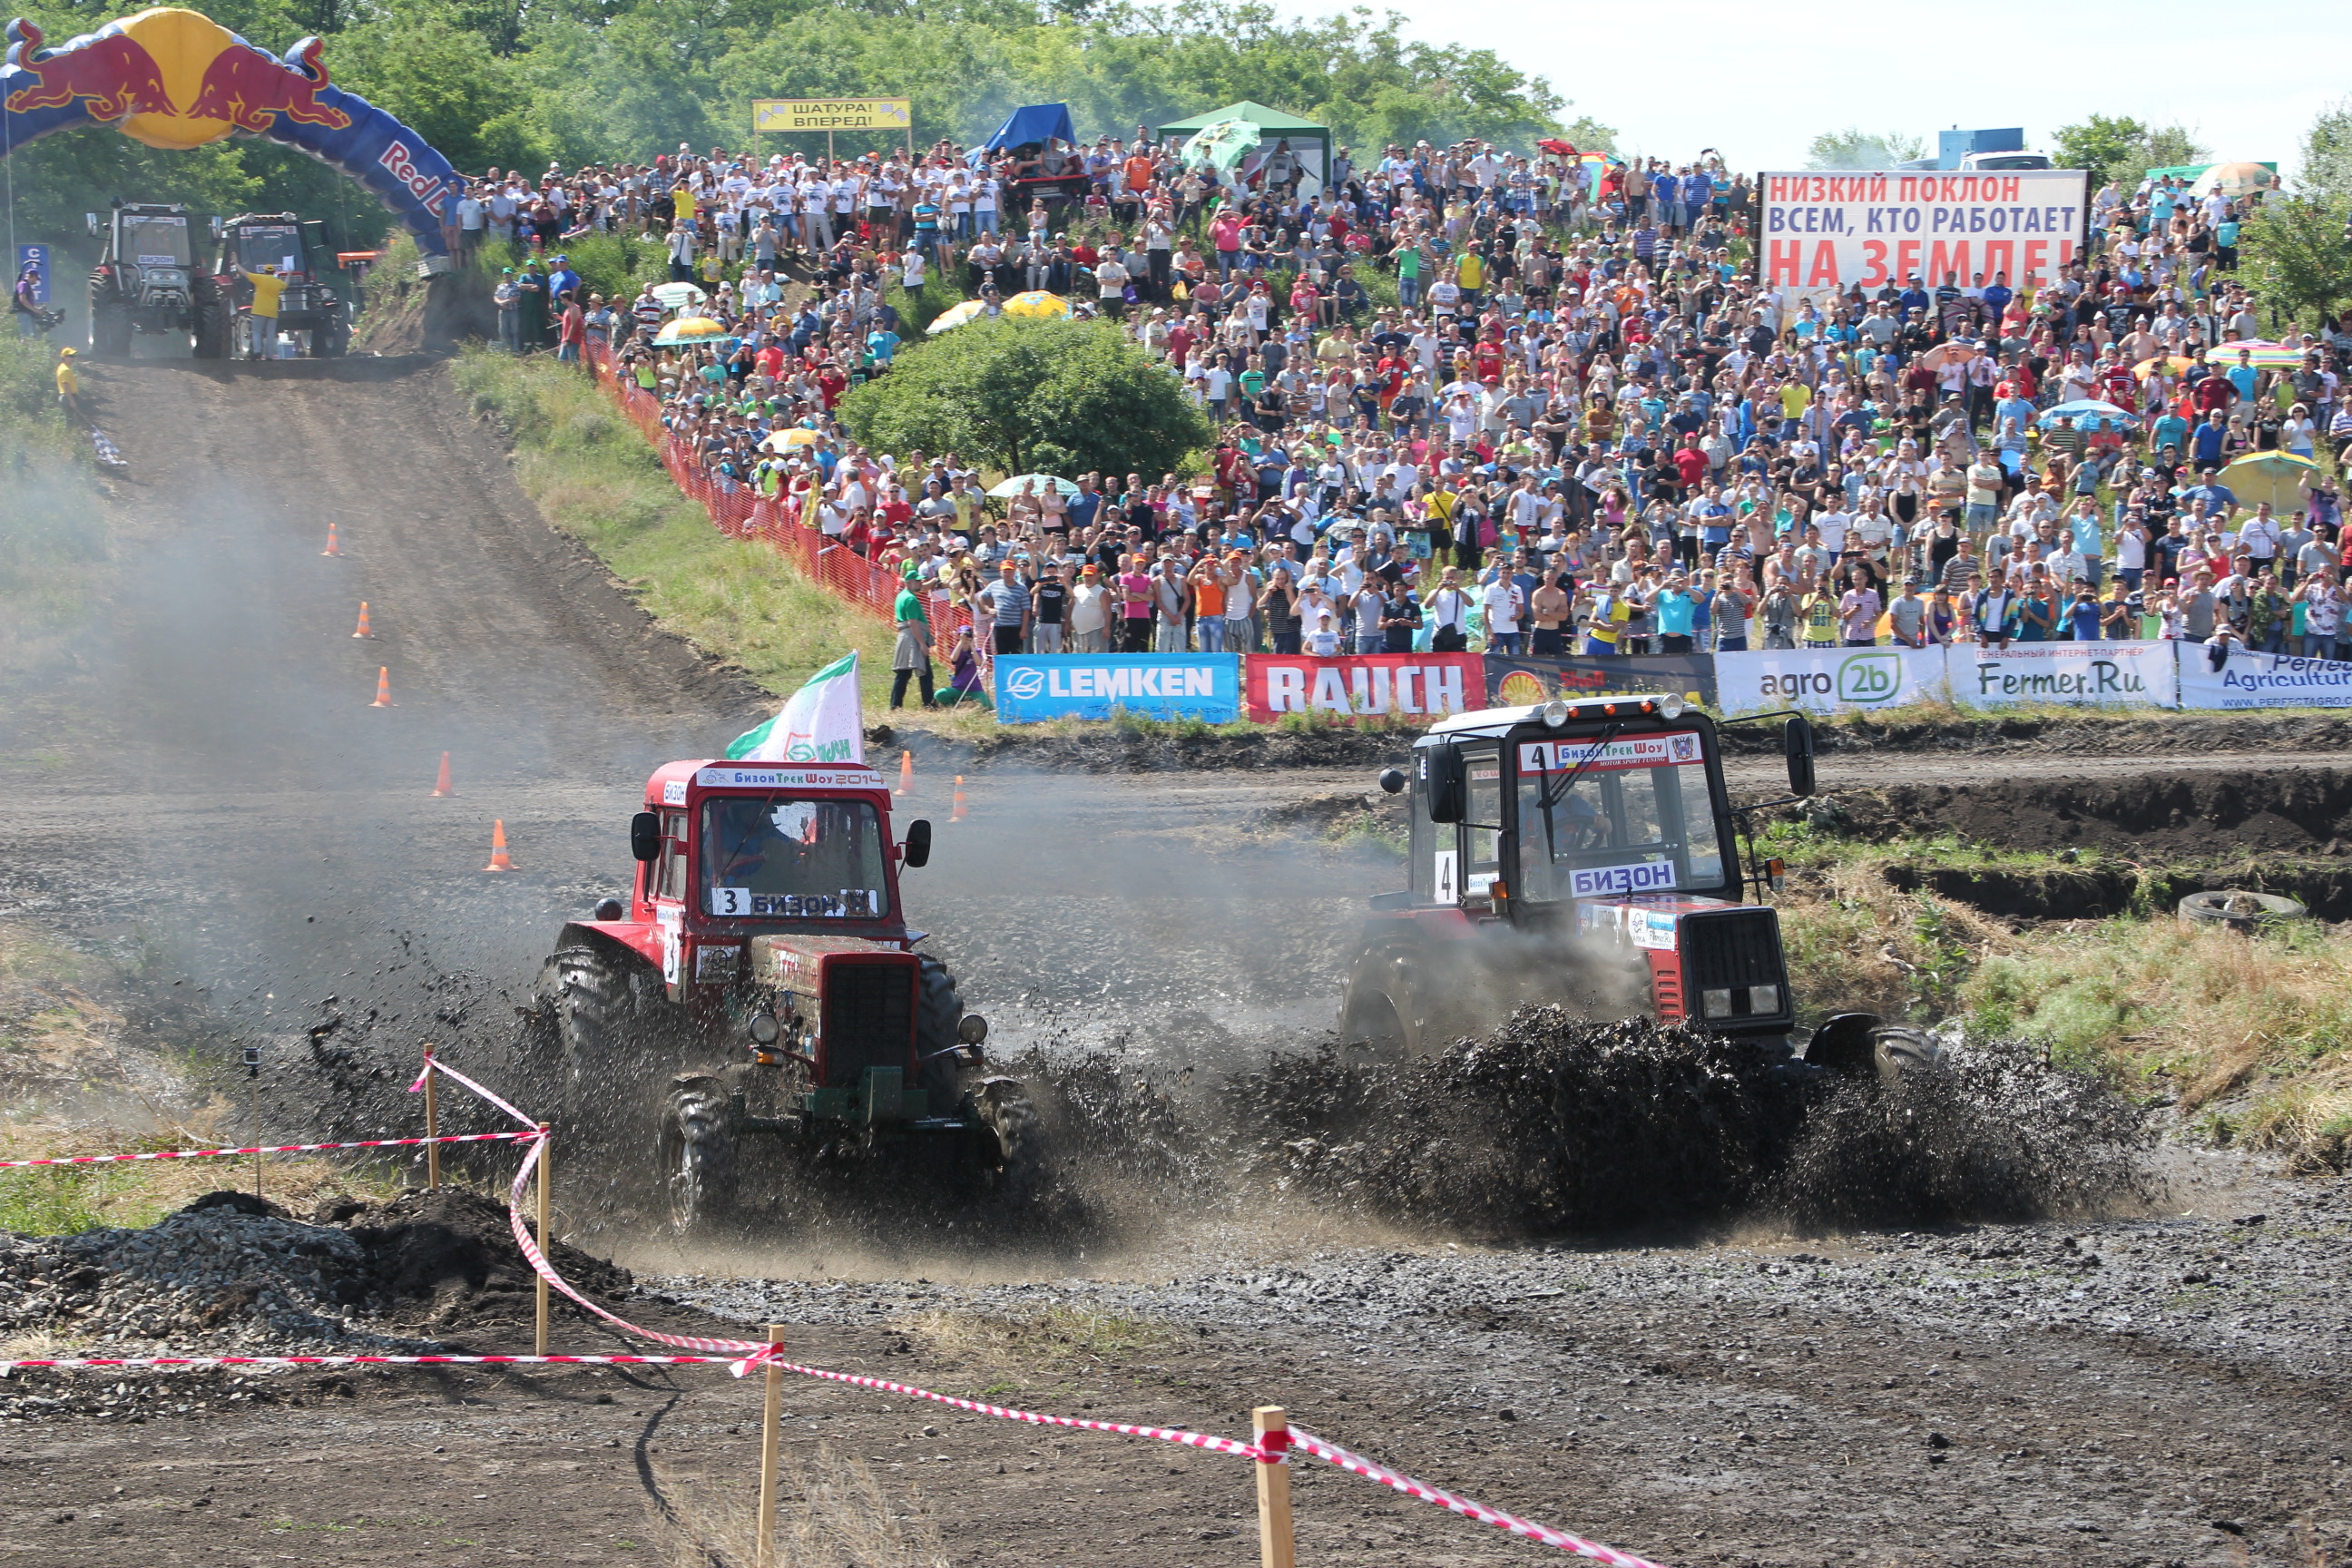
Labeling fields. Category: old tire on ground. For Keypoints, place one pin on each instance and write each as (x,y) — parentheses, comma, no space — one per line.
(1004,1110)
(697,1155)
(214,319)
(2239,910)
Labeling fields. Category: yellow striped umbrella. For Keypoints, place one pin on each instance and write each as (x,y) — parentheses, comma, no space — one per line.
(1038,304)
(954,316)
(693,331)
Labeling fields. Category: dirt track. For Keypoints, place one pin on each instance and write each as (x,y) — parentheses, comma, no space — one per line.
(208,786)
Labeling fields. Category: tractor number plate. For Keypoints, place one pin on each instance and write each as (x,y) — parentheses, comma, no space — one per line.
(850,903)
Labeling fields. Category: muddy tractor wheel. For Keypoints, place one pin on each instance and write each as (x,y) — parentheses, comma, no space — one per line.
(212,319)
(939,1012)
(1370,1013)
(588,997)
(1863,1046)
(110,320)
(697,1155)
(1006,1111)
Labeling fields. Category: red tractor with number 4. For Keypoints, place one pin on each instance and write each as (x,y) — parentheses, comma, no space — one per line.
(760,984)
(1585,854)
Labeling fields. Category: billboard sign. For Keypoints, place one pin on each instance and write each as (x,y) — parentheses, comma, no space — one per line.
(772,114)
(1824,229)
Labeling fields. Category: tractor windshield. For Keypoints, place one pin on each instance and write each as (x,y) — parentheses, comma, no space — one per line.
(155,241)
(1638,818)
(275,244)
(793,859)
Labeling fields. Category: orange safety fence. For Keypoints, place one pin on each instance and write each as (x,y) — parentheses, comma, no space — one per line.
(741,513)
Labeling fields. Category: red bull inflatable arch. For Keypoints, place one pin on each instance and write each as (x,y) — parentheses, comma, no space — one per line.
(175,79)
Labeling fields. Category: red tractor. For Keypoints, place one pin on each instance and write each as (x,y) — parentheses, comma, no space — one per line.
(761,982)
(1583,853)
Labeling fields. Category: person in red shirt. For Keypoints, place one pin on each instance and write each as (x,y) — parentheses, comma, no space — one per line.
(830,385)
(1691,464)
(1489,362)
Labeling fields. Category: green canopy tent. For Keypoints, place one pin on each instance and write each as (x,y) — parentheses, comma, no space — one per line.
(1311,142)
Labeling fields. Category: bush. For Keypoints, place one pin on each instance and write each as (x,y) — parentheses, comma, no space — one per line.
(1063,397)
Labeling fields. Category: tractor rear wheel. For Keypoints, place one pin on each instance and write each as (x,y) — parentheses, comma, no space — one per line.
(592,1002)
(110,320)
(939,1012)
(1864,1045)
(1369,1013)
(698,1156)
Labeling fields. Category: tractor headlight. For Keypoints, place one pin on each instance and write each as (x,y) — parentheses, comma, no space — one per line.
(972,1029)
(1764,998)
(764,1028)
(1670,705)
(1717,1002)
(1555,713)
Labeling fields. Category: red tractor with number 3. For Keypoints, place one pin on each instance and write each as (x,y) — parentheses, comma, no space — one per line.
(760,982)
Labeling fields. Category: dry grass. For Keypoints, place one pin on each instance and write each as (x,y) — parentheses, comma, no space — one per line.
(831,1512)
(79,1082)
(1056,1341)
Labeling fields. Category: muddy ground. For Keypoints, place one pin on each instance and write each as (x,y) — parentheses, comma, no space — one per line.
(203,791)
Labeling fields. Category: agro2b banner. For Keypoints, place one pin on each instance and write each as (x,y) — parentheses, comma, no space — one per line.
(1361,685)
(1835,230)
(1829,679)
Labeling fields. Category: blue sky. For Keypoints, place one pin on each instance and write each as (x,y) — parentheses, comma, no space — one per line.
(1759,81)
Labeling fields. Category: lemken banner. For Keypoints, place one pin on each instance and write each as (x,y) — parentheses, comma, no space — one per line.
(1834,230)
(1032,688)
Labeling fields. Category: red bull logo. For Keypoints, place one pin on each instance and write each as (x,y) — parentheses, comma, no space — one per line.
(249,87)
(111,75)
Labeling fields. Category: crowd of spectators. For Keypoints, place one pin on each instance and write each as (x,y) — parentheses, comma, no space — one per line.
(1468,397)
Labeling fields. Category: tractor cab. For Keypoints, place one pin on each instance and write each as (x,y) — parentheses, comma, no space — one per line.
(308,307)
(1576,852)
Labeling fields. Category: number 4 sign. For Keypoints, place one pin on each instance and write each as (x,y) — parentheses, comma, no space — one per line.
(1447,889)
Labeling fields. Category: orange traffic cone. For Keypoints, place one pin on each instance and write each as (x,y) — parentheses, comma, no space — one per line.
(906,773)
(442,788)
(382,688)
(363,631)
(959,814)
(333,548)
(499,860)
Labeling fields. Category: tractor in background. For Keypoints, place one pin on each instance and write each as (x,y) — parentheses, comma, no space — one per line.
(308,307)
(146,280)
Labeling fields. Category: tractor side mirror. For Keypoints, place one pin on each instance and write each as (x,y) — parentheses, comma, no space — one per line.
(1797,741)
(918,843)
(646,836)
(1441,781)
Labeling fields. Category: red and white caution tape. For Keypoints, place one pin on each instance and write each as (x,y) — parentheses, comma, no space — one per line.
(274,1148)
(1356,1464)
(434,1064)
(188,1363)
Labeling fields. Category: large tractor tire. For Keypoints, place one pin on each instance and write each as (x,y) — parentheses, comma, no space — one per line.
(697,1155)
(2239,910)
(110,320)
(1370,1013)
(214,319)
(939,1013)
(331,338)
(1864,1047)
(1004,1110)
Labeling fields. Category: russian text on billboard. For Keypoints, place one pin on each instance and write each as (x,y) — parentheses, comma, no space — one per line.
(2018,226)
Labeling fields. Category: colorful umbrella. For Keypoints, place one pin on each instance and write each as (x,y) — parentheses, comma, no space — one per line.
(2278,478)
(1038,304)
(2233,180)
(1221,143)
(784,441)
(1013,486)
(2177,363)
(955,316)
(2085,408)
(693,331)
(678,296)
(1943,354)
(2265,354)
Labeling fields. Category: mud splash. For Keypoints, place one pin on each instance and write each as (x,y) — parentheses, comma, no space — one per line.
(1555,1124)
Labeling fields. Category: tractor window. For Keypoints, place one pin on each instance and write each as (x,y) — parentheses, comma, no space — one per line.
(1639,819)
(670,881)
(155,241)
(271,244)
(1483,825)
(766,855)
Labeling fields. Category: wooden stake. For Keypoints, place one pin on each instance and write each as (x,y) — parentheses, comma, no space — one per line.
(432,1124)
(771,1421)
(543,1153)
(1277,1547)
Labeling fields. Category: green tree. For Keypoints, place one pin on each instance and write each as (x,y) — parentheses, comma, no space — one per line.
(2327,154)
(1854,148)
(1031,397)
(2119,148)
(2295,256)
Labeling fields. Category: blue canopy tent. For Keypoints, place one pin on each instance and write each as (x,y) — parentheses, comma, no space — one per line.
(1033,123)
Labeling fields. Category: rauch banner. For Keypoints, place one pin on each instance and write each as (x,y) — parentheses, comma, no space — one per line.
(1362,686)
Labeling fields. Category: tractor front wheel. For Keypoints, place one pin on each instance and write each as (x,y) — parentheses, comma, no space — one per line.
(214,319)
(1006,1111)
(698,1156)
